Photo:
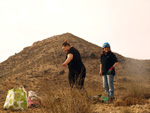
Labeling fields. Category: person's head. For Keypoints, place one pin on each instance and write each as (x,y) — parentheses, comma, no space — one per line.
(106,47)
(65,46)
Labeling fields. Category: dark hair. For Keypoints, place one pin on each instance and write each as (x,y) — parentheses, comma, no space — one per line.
(65,43)
(103,52)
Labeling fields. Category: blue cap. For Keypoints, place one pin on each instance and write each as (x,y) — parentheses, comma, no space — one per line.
(106,44)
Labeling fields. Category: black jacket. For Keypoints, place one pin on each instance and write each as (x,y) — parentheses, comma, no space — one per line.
(76,62)
(107,61)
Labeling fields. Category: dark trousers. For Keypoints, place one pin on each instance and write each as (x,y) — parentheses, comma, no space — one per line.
(76,77)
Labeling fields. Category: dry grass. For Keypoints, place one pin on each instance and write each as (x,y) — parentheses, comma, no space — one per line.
(136,90)
(127,110)
(65,101)
(131,101)
(119,102)
(135,94)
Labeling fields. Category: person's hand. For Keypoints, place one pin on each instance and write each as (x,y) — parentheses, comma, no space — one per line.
(100,73)
(110,70)
(64,64)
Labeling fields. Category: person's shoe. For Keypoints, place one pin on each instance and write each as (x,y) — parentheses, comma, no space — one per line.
(111,99)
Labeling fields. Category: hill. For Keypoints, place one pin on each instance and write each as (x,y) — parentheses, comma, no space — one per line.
(40,64)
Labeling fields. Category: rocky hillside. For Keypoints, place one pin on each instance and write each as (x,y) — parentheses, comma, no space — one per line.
(42,61)
(45,55)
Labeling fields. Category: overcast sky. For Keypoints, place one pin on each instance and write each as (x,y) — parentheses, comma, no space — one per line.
(125,24)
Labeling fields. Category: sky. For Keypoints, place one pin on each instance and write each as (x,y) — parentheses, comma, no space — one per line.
(125,24)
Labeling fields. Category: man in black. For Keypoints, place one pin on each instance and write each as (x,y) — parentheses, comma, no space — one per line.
(77,70)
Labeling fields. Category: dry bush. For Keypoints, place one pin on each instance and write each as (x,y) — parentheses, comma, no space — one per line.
(126,110)
(62,72)
(146,95)
(128,101)
(79,102)
(65,101)
(119,102)
(137,91)
(93,56)
(131,101)
(121,88)
(124,79)
(136,94)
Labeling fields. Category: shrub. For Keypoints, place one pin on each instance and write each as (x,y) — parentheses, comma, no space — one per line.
(45,71)
(93,56)
(136,90)
(126,110)
(64,101)
(146,95)
(62,72)
(119,102)
(136,94)
(131,101)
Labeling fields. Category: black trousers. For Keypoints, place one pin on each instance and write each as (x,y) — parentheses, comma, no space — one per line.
(76,77)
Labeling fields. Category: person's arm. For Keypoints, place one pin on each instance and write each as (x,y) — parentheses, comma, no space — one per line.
(110,70)
(100,72)
(114,58)
(115,64)
(68,60)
